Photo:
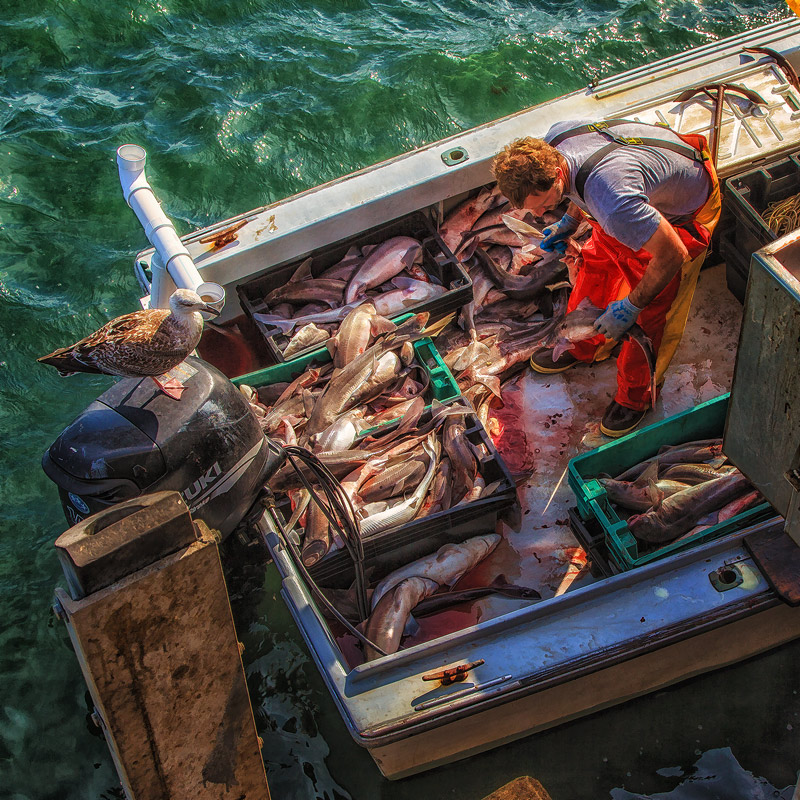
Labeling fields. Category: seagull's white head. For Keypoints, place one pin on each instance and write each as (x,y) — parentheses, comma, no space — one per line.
(186,301)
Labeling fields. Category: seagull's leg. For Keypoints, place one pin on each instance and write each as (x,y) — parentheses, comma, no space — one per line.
(171,386)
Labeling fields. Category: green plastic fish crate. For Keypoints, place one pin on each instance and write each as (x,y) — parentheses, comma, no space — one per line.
(442,385)
(705,421)
(439,264)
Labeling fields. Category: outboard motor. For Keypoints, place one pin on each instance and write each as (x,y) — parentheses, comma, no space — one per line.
(133,440)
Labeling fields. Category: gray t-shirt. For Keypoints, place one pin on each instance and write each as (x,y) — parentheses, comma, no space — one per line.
(629,189)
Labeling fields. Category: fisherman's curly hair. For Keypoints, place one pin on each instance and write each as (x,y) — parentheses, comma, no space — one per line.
(525,166)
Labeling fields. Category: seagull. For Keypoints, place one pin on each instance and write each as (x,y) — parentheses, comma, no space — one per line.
(143,344)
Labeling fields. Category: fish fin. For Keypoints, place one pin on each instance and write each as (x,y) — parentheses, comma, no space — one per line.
(379,325)
(412,255)
(561,347)
(284,325)
(405,282)
(411,627)
(650,474)
(308,402)
(467,250)
(717,462)
(435,328)
(303,272)
(656,495)
(521,228)
(489,490)
(332,345)
(491,382)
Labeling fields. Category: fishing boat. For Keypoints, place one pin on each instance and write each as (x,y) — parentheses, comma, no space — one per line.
(504,668)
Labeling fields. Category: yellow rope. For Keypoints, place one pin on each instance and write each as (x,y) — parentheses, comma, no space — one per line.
(784,215)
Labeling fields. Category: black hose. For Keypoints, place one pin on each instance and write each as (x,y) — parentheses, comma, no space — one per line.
(316,591)
(338,510)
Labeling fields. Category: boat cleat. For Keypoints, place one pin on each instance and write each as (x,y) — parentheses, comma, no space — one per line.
(454,674)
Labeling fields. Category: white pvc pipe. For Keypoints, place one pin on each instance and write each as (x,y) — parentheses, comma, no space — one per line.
(173,256)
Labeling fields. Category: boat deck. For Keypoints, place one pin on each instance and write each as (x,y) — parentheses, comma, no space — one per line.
(559,417)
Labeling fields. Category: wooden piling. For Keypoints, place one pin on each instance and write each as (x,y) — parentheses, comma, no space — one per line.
(159,652)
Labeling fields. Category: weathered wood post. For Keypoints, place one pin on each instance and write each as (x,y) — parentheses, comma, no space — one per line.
(150,621)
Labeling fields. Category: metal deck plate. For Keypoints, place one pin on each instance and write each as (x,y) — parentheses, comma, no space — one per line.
(748,132)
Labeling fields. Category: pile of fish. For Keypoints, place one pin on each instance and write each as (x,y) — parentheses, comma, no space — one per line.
(680,492)
(307,310)
(426,586)
(404,472)
(373,378)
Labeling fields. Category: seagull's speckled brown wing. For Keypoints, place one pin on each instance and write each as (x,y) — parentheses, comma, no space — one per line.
(143,343)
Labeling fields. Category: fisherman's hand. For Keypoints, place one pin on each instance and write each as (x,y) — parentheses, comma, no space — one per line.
(555,236)
(617,318)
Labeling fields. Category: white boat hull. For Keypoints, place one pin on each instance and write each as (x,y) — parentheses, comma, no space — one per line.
(584,695)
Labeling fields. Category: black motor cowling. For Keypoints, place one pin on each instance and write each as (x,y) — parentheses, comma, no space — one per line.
(134,439)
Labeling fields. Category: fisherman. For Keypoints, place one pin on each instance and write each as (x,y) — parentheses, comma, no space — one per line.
(652,198)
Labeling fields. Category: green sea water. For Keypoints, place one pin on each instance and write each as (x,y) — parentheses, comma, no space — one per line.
(240,104)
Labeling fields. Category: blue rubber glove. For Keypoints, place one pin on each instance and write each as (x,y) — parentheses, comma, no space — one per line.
(555,236)
(617,318)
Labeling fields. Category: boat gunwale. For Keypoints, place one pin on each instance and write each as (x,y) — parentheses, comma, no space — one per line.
(577,668)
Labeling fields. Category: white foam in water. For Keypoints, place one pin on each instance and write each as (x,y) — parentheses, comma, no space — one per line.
(717,774)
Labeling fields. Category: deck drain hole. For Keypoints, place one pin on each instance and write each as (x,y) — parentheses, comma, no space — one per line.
(455,156)
(726,578)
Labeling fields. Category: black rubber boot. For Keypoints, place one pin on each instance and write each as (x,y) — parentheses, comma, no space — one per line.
(619,420)
(542,361)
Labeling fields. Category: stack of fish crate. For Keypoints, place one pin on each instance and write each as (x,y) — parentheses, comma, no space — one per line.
(704,421)
(438,263)
(386,550)
(747,197)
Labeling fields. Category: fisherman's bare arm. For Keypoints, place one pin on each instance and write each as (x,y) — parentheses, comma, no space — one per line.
(668,254)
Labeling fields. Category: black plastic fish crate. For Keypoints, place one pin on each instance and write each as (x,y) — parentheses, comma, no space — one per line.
(388,550)
(440,265)
(748,195)
(592,538)
(737,265)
